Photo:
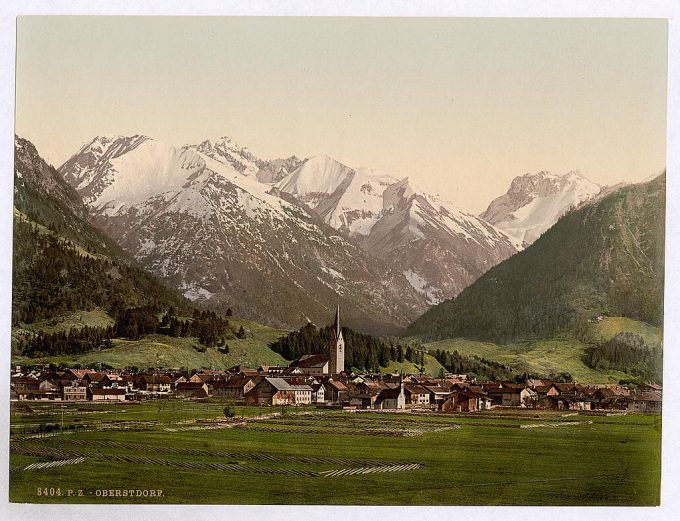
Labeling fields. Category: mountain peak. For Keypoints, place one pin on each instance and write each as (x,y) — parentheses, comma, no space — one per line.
(534,202)
(320,174)
(225,150)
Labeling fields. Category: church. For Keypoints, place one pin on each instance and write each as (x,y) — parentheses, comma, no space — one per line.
(324,364)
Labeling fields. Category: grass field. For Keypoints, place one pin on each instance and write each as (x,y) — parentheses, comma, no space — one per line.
(432,367)
(561,353)
(334,458)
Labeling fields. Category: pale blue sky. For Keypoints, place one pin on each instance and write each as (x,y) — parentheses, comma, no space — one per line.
(460,105)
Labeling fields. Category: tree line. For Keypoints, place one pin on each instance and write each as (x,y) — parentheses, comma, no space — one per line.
(53,276)
(210,329)
(75,341)
(627,352)
(602,259)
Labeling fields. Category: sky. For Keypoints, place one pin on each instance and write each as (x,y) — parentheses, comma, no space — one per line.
(459,105)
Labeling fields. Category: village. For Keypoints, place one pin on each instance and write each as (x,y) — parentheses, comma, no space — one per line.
(309,383)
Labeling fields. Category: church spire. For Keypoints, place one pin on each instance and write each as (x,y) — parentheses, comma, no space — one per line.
(336,324)
(337,347)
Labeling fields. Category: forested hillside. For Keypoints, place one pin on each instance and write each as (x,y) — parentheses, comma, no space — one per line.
(61,263)
(606,258)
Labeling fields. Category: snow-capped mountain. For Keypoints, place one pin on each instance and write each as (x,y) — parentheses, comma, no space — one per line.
(198,217)
(534,202)
(440,248)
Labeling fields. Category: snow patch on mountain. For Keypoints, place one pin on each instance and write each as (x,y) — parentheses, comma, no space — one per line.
(196,293)
(422,286)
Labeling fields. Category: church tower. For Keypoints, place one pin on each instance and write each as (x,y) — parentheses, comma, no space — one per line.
(337,347)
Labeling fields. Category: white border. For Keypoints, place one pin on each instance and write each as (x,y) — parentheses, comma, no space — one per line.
(670,9)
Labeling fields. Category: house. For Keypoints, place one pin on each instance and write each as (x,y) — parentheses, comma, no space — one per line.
(466,398)
(74,390)
(312,364)
(111,380)
(577,402)
(438,393)
(75,374)
(318,393)
(236,387)
(364,394)
(416,395)
(126,382)
(94,379)
(25,387)
(192,389)
(219,388)
(100,394)
(460,400)
(271,370)
(393,398)
(50,390)
(336,391)
(643,401)
(655,388)
(202,377)
(611,397)
(302,394)
(272,391)
(153,383)
(513,396)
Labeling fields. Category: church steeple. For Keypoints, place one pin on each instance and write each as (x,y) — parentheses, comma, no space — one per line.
(336,324)
(337,347)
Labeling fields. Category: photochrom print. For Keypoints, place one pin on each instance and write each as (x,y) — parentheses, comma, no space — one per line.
(338,261)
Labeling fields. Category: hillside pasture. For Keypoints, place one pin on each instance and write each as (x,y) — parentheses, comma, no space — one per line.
(561,353)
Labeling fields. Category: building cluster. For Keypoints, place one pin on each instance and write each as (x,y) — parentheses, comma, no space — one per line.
(308,382)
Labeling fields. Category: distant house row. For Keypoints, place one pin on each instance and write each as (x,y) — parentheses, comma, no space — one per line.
(308,382)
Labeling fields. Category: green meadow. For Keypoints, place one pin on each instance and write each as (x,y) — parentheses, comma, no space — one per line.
(474,459)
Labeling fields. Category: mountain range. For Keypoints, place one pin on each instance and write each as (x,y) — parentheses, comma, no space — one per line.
(439,247)
(198,217)
(129,221)
(213,221)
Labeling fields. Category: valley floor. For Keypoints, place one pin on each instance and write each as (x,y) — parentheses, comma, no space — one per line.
(190,452)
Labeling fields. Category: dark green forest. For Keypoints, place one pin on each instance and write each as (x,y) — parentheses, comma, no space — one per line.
(606,258)
(362,351)
(629,353)
(472,366)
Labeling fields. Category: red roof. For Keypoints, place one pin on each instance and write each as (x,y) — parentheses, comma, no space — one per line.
(308,361)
